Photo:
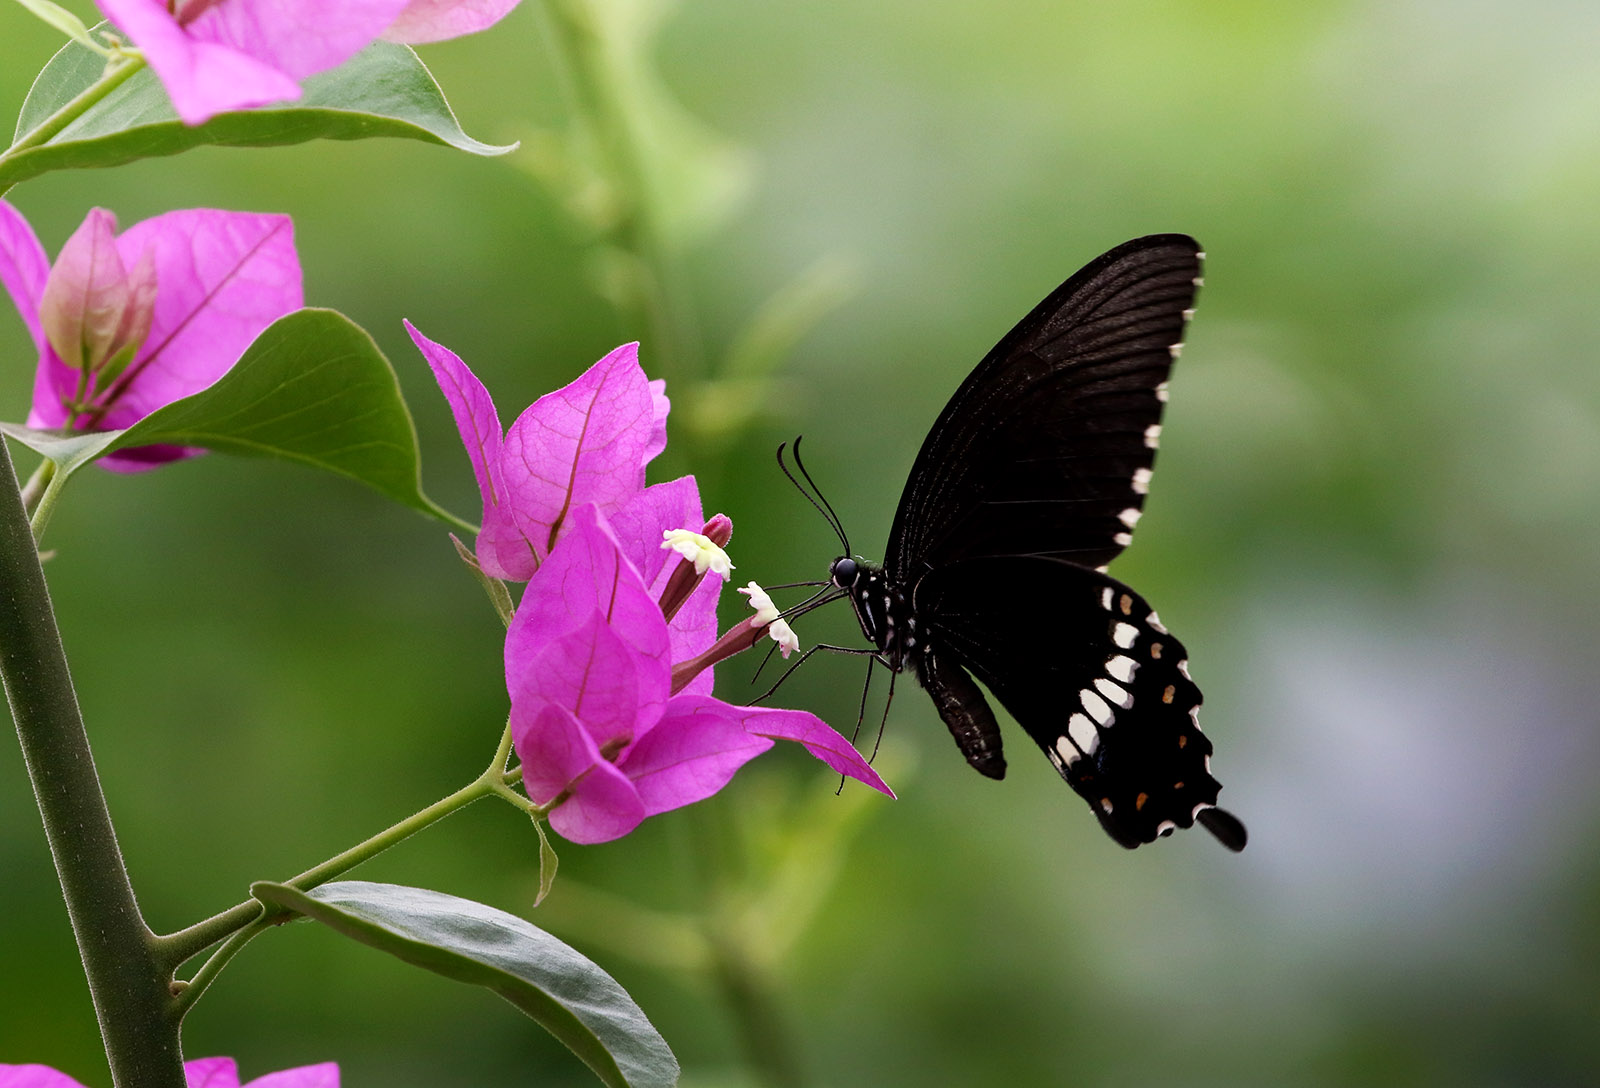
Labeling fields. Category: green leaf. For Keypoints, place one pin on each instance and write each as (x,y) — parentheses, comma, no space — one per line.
(70,452)
(312,388)
(385,90)
(548,862)
(566,993)
(58,17)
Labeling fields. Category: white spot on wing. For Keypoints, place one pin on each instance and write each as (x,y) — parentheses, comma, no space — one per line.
(1175,349)
(1141,481)
(1130,516)
(1183,667)
(1166,827)
(1065,754)
(1121,668)
(1114,693)
(1188,315)
(1123,539)
(1083,734)
(1124,634)
(1155,621)
(1152,435)
(1162,392)
(1096,706)
(1105,598)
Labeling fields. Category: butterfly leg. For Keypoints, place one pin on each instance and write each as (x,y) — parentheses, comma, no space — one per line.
(856,650)
(965,712)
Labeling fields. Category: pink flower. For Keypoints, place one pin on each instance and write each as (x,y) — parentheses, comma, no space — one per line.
(435,20)
(125,324)
(202,1073)
(608,731)
(609,655)
(587,442)
(219,55)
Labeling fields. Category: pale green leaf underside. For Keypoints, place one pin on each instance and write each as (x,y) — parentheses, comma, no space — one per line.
(568,994)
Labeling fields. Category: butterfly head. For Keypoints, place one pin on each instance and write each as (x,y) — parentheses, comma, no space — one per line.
(843,571)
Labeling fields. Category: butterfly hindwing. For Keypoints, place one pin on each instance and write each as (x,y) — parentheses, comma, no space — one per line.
(1047,447)
(1086,668)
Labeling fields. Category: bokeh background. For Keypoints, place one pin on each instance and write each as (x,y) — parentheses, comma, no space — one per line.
(1375,523)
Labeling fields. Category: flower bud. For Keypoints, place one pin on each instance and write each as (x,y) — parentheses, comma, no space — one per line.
(96,313)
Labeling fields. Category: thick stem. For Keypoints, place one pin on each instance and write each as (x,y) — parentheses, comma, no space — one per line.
(127,980)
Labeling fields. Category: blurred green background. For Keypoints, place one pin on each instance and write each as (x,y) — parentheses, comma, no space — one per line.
(1375,524)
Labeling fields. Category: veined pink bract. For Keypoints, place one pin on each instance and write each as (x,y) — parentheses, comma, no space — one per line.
(213,56)
(125,324)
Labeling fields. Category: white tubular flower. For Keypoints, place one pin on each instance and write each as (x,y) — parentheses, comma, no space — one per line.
(767,616)
(787,642)
(766,611)
(699,549)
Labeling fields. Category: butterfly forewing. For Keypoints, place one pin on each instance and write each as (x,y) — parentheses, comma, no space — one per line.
(1086,667)
(1047,447)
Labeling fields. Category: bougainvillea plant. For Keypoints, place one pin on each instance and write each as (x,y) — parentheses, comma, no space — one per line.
(187,333)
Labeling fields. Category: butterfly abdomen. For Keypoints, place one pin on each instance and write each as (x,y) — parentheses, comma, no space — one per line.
(888,618)
(965,712)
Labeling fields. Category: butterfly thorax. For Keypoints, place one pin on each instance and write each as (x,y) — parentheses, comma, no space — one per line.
(881,609)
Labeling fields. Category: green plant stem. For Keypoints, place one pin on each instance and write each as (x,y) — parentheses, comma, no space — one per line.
(742,979)
(748,992)
(585,64)
(243,921)
(115,76)
(54,482)
(33,490)
(128,979)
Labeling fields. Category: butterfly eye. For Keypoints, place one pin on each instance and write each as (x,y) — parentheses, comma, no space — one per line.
(843,572)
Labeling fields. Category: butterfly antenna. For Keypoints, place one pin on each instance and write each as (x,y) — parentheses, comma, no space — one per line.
(838,526)
(826,513)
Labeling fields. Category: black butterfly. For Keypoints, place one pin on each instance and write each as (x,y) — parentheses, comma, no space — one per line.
(1029,483)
